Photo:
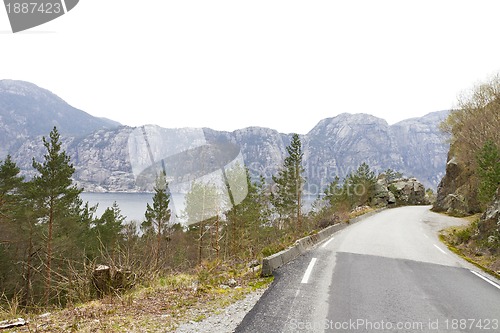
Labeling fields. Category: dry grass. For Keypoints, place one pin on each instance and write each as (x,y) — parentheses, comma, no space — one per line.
(361,210)
(158,307)
(461,240)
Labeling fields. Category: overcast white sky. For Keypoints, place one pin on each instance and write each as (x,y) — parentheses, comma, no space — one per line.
(279,64)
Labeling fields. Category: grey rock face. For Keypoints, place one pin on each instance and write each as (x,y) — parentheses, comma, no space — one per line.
(263,149)
(415,147)
(490,220)
(337,146)
(383,197)
(421,147)
(27,111)
(100,151)
(454,192)
(102,161)
(489,224)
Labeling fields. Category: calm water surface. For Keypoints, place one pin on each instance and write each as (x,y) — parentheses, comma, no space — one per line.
(133,205)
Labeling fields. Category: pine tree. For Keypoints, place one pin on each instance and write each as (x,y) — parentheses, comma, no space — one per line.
(110,226)
(11,233)
(392,175)
(20,236)
(245,219)
(333,193)
(158,216)
(104,234)
(57,201)
(10,188)
(361,185)
(203,202)
(288,184)
(488,161)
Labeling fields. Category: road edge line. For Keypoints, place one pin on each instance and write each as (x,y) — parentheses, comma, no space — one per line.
(493,283)
(463,256)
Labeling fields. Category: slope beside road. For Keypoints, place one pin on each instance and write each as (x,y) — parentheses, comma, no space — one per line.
(388,273)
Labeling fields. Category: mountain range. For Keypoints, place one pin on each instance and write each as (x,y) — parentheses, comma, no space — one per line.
(105,160)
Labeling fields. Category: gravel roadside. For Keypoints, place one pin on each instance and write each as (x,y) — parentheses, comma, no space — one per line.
(227,320)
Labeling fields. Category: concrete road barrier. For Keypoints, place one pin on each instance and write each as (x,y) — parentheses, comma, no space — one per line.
(305,244)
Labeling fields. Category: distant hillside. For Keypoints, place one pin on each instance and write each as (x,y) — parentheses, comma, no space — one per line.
(414,147)
(27,111)
(104,159)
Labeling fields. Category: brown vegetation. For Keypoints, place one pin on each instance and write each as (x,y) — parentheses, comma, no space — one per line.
(474,123)
(473,174)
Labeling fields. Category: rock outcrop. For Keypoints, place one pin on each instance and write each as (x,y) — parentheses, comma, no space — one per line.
(455,195)
(489,224)
(399,192)
(383,197)
(408,192)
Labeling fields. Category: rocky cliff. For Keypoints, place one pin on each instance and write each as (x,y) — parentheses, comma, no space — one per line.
(456,192)
(414,147)
(109,158)
(27,111)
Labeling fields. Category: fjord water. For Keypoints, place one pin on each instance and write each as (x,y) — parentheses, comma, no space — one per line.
(133,204)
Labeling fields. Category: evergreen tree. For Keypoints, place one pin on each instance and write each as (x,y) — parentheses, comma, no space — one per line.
(392,175)
(105,233)
(20,235)
(333,193)
(245,219)
(288,184)
(360,185)
(11,233)
(158,215)
(57,202)
(110,226)
(10,183)
(488,161)
(10,190)
(203,202)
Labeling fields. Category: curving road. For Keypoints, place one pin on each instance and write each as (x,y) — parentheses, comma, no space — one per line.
(387,273)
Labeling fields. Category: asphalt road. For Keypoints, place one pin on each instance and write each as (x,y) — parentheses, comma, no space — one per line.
(387,273)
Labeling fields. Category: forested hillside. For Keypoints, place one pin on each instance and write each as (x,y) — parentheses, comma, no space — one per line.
(472,181)
(473,165)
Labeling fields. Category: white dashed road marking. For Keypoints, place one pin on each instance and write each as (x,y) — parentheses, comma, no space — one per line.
(440,249)
(309,269)
(326,244)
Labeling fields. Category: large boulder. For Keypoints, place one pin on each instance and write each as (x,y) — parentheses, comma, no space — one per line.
(408,192)
(382,196)
(403,191)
